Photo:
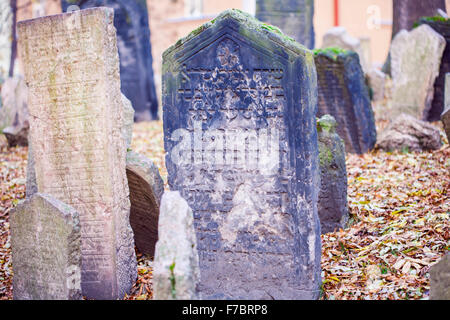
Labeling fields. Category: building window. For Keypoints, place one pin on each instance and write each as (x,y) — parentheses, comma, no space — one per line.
(193,8)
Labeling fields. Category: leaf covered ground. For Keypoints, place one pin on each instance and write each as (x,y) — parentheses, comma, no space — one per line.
(399,204)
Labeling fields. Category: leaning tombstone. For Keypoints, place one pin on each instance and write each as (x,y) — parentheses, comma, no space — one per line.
(76,134)
(440,279)
(46,250)
(332,205)
(146,189)
(293,17)
(445,117)
(442,26)
(344,95)
(245,158)
(176,272)
(415,61)
(133,39)
(338,37)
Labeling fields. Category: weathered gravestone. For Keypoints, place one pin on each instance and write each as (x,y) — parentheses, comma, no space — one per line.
(72,70)
(338,37)
(440,279)
(46,250)
(6,24)
(176,272)
(146,189)
(344,95)
(332,205)
(415,60)
(293,17)
(241,141)
(446,114)
(441,26)
(133,40)
(377,82)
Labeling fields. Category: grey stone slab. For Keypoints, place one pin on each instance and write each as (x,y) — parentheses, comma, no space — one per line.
(440,279)
(241,141)
(176,271)
(46,250)
(133,41)
(293,17)
(344,95)
(332,205)
(76,122)
(445,117)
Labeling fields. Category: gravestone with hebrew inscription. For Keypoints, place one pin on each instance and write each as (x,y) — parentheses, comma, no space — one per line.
(293,17)
(241,142)
(133,40)
(76,116)
(344,95)
(415,62)
(441,26)
(46,250)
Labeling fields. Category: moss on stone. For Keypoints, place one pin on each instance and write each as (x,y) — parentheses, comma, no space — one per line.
(431,19)
(332,52)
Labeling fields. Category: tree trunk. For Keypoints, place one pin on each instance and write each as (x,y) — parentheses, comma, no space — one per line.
(13,37)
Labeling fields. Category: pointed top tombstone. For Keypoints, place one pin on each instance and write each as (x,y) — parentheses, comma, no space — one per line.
(240,100)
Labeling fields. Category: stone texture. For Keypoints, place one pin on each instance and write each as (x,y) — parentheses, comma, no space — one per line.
(437,105)
(377,82)
(241,142)
(339,37)
(176,271)
(440,279)
(293,17)
(446,114)
(415,60)
(14,112)
(146,189)
(128,121)
(133,40)
(31,184)
(76,119)
(344,95)
(407,132)
(332,205)
(46,250)
(6,24)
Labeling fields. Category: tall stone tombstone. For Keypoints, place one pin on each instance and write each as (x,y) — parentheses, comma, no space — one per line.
(293,17)
(344,95)
(241,141)
(46,250)
(76,116)
(415,62)
(6,25)
(441,26)
(133,40)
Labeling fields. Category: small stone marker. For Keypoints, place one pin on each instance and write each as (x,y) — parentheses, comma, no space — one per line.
(446,114)
(377,81)
(146,189)
(244,157)
(46,250)
(176,272)
(293,17)
(408,133)
(332,205)
(133,41)
(6,24)
(415,61)
(344,95)
(76,117)
(339,37)
(440,279)
(441,26)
